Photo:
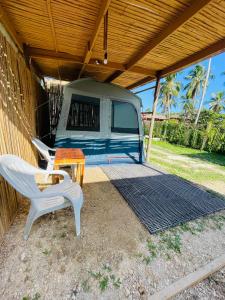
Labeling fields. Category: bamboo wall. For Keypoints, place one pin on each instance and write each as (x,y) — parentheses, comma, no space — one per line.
(17,121)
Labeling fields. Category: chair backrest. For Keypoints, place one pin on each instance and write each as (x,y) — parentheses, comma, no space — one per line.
(20,174)
(42,148)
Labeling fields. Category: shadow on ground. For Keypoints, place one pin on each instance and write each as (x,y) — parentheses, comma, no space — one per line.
(214,158)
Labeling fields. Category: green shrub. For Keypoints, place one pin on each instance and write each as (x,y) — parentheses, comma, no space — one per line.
(210,132)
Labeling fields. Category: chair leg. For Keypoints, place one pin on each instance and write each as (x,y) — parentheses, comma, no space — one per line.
(32,216)
(49,168)
(77,219)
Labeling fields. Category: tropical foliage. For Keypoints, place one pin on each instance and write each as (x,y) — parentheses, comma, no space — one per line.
(195,78)
(211,139)
(169,91)
(217,102)
(200,123)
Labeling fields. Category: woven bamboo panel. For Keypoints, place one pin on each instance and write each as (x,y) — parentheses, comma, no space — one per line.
(133,23)
(201,31)
(128,78)
(17,121)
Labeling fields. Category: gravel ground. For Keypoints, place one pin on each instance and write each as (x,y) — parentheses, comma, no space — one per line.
(211,288)
(115,257)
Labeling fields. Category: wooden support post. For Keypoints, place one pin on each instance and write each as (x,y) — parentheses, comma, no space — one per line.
(156,96)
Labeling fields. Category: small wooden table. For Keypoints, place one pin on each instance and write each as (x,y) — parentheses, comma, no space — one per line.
(71,157)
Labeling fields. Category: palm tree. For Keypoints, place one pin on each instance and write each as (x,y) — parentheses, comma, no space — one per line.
(196,78)
(204,88)
(188,107)
(170,89)
(217,102)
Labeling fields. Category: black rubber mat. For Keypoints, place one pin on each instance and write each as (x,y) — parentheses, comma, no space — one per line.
(161,200)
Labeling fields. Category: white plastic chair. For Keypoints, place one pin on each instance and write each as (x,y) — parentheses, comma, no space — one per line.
(21,175)
(45,152)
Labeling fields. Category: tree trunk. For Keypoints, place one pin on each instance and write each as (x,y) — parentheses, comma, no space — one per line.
(169,112)
(209,126)
(156,96)
(203,92)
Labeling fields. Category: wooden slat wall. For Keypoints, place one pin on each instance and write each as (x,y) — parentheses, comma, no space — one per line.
(17,121)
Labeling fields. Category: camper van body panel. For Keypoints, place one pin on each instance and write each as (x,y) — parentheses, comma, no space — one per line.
(103,146)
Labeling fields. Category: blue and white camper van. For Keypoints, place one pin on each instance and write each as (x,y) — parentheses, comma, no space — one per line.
(102,119)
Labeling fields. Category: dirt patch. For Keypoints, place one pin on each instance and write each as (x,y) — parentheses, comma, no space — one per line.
(216,185)
(109,261)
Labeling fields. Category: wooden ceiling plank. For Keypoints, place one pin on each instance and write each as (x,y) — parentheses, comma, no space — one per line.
(189,13)
(207,52)
(87,57)
(140,82)
(49,9)
(4,19)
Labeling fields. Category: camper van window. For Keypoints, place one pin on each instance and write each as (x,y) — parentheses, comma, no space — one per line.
(124,117)
(84,114)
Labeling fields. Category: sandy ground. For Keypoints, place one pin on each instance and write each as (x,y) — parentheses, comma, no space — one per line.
(55,264)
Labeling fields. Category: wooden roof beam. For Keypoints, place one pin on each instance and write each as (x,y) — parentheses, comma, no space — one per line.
(184,17)
(62,56)
(4,19)
(91,43)
(207,52)
(50,54)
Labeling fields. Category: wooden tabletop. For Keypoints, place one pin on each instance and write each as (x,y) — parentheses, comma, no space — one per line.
(69,156)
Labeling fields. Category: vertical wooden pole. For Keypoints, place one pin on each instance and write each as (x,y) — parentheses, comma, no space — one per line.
(156,96)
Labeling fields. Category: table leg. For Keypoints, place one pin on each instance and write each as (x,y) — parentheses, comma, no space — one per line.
(82,174)
(78,174)
(73,172)
(55,178)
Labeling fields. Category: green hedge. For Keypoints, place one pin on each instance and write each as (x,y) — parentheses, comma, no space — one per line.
(179,132)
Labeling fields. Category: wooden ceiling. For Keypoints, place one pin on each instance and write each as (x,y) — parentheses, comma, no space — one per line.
(146,38)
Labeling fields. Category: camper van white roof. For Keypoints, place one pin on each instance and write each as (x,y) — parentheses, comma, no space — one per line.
(100,88)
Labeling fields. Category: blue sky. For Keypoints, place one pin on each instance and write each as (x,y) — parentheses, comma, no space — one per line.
(215,85)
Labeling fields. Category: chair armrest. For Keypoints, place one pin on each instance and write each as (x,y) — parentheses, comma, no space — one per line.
(59,172)
(55,172)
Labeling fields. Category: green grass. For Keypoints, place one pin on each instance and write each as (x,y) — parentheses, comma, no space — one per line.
(215,158)
(37,296)
(103,283)
(177,149)
(199,175)
(46,252)
(103,278)
(185,168)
